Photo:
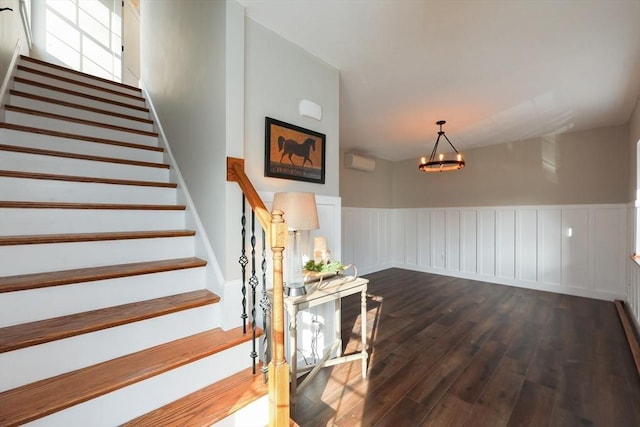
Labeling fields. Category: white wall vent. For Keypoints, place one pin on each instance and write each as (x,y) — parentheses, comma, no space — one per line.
(357,162)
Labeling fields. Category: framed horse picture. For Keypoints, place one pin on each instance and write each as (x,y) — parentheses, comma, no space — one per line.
(293,152)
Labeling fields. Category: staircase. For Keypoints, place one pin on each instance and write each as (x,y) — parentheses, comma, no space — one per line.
(105,315)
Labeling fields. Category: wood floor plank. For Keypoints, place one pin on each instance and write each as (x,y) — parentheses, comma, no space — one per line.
(545,361)
(450,412)
(496,402)
(533,407)
(473,380)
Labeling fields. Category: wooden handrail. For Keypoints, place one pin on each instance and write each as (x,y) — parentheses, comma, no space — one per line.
(235,173)
(275,228)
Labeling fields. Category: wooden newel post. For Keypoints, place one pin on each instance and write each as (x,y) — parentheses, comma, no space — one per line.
(279,412)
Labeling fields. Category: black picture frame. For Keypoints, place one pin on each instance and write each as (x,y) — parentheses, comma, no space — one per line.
(293,152)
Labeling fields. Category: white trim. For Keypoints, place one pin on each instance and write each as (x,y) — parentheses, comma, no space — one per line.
(26,21)
(8,78)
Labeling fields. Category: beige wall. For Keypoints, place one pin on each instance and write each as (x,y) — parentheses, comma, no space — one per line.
(278,74)
(367,189)
(575,168)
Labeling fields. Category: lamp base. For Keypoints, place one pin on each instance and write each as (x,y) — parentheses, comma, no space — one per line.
(295,290)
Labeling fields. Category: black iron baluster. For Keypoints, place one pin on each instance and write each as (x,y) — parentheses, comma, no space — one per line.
(265,305)
(243,263)
(253,281)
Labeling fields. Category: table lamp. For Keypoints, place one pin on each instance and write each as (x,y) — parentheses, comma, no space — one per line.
(300,215)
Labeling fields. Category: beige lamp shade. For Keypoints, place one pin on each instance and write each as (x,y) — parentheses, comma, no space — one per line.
(300,211)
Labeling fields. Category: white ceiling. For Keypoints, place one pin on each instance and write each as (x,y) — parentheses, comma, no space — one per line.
(495,70)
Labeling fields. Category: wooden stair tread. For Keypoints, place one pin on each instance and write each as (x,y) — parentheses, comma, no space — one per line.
(42,331)
(36,400)
(77,106)
(73,178)
(98,206)
(77,120)
(91,237)
(65,277)
(80,73)
(28,69)
(68,155)
(208,405)
(55,133)
(79,94)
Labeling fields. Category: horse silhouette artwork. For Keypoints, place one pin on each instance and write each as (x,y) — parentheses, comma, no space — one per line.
(290,147)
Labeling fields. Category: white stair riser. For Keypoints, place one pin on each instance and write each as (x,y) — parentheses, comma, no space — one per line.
(27,162)
(79,113)
(55,301)
(17,221)
(58,125)
(76,99)
(39,258)
(43,190)
(78,146)
(80,78)
(127,403)
(25,365)
(255,413)
(138,102)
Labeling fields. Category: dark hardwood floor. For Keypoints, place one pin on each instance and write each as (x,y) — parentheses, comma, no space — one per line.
(448,352)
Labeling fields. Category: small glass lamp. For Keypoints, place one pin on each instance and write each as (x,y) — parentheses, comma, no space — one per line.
(301,216)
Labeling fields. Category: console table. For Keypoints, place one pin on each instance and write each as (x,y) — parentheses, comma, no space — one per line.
(334,290)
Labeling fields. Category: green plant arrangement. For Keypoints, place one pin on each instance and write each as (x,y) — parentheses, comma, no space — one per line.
(324,266)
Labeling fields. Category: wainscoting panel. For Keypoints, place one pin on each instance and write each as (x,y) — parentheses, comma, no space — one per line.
(633,290)
(424,236)
(527,245)
(575,245)
(365,239)
(453,240)
(550,246)
(469,241)
(487,242)
(632,267)
(607,266)
(410,237)
(506,244)
(577,249)
(438,240)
